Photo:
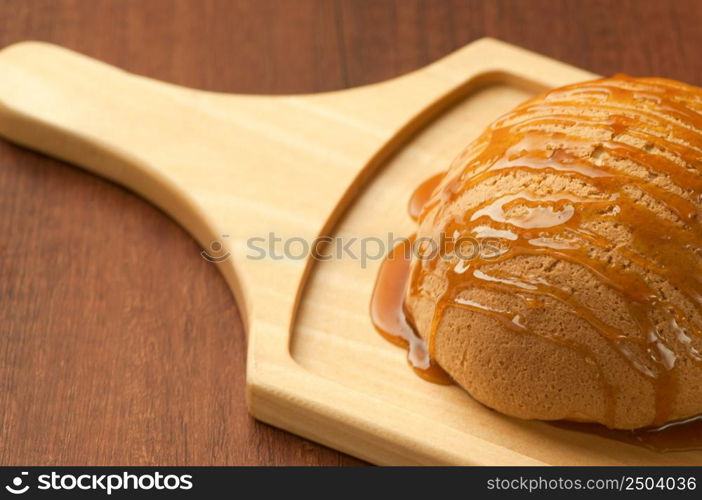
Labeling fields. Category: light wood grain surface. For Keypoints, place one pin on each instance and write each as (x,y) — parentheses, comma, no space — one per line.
(95,282)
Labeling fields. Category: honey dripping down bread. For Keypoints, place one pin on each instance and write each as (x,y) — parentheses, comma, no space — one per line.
(583,299)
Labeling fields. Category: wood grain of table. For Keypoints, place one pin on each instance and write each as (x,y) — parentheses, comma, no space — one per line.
(119,344)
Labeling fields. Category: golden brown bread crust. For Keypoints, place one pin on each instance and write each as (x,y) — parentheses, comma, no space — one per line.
(590,310)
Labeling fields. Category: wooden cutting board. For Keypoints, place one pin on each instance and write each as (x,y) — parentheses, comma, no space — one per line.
(232,167)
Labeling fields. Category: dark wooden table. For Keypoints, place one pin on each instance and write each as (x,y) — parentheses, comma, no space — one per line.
(118,343)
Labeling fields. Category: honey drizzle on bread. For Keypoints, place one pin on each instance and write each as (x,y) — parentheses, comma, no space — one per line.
(618,156)
(390,317)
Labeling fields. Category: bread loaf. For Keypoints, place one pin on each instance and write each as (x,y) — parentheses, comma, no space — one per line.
(569,283)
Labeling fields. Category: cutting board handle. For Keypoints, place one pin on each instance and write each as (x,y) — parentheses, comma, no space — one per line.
(119,125)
